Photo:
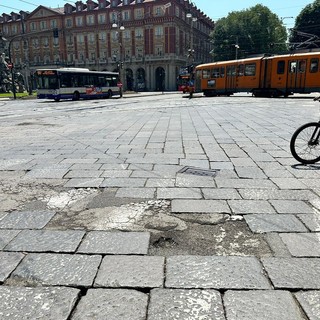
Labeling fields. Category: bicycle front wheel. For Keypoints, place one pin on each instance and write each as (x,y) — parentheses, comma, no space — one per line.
(304,144)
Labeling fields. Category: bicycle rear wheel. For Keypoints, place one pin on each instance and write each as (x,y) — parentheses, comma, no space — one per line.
(304,144)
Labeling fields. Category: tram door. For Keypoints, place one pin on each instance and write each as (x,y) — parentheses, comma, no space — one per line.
(231,79)
(296,75)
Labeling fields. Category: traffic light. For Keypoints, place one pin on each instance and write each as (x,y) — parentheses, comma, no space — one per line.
(55,33)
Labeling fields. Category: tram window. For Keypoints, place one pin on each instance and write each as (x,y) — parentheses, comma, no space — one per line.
(281,67)
(314,65)
(293,67)
(302,66)
(215,73)
(250,69)
(222,72)
(206,73)
(231,71)
(240,70)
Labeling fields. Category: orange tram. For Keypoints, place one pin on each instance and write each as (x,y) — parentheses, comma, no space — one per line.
(266,76)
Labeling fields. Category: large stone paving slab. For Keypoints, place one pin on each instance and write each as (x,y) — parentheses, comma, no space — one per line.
(19,303)
(179,304)
(46,241)
(302,244)
(131,271)
(8,262)
(293,273)
(6,236)
(57,269)
(115,242)
(26,219)
(312,221)
(291,206)
(199,206)
(112,304)
(310,302)
(262,223)
(261,305)
(216,272)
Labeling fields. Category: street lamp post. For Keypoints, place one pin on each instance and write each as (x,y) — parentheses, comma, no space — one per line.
(118,25)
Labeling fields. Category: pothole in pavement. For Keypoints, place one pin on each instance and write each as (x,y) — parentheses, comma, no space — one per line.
(228,238)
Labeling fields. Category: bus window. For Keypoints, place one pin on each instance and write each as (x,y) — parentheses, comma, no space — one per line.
(281,67)
(222,72)
(293,67)
(314,65)
(240,70)
(206,74)
(215,73)
(250,69)
(65,81)
(302,66)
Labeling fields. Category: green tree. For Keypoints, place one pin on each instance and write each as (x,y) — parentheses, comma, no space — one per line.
(306,31)
(248,32)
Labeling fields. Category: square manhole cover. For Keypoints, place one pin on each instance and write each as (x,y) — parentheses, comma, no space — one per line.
(199,171)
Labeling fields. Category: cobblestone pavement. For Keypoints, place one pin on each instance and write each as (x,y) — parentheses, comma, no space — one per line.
(158,208)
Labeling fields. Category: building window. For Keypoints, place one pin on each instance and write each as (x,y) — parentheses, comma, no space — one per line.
(158,31)
(139,13)
(14,29)
(69,23)
(33,26)
(79,21)
(177,12)
(158,11)
(159,50)
(126,15)
(101,18)
(126,2)
(92,56)
(69,40)
(53,23)
(127,34)
(80,38)
(5,30)
(114,35)
(139,33)
(102,36)
(91,37)
(90,20)
(81,56)
(70,57)
(45,42)
(43,25)
(114,3)
(35,43)
(113,17)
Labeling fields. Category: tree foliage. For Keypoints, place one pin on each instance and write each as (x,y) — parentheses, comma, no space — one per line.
(306,32)
(248,32)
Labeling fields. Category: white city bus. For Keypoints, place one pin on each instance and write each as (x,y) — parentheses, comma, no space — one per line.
(77,83)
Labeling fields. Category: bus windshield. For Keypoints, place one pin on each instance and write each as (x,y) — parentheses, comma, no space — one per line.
(47,79)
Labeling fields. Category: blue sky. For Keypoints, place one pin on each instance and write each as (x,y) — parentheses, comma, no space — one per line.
(215,9)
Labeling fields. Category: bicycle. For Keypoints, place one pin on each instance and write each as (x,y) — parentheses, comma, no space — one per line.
(305,142)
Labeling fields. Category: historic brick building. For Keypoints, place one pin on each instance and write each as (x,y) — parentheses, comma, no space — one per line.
(148,40)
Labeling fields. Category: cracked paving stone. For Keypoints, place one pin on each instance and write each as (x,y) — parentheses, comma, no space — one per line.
(112,304)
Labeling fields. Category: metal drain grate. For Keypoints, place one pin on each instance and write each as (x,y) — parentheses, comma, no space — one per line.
(199,171)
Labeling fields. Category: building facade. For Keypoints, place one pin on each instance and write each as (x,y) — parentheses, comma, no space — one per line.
(147,41)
